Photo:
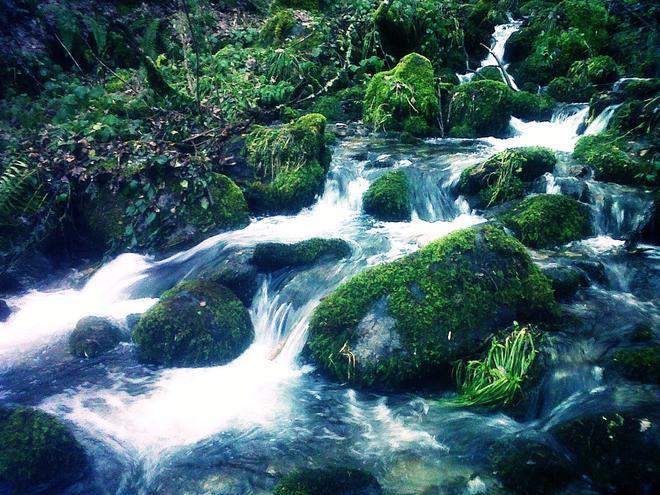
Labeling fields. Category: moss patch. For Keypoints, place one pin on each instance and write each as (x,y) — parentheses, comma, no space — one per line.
(642,365)
(609,161)
(531,106)
(480,108)
(196,323)
(278,26)
(548,220)
(406,322)
(388,198)
(407,91)
(36,450)
(271,256)
(333,481)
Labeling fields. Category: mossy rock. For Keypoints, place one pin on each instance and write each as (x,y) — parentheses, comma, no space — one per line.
(640,89)
(531,106)
(197,323)
(277,27)
(296,4)
(503,176)
(642,365)
(289,164)
(332,481)
(596,70)
(548,220)
(388,198)
(619,450)
(566,280)
(271,256)
(562,89)
(103,217)
(480,108)
(528,465)
(490,73)
(609,161)
(404,323)
(94,336)
(519,45)
(38,454)
(407,91)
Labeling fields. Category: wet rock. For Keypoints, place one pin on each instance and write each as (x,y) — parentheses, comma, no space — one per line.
(388,198)
(333,481)
(566,280)
(403,323)
(271,256)
(38,454)
(639,364)
(94,336)
(619,450)
(530,465)
(595,270)
(4,310)
(197,323)
(238,273)
(382,161)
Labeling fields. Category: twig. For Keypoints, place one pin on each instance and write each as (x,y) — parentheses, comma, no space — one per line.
(69,53)
(499,63)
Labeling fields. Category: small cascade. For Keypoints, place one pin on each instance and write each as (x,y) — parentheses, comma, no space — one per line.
(601,122)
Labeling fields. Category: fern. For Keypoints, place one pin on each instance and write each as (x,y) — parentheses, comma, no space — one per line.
(19,193)
(150,39)
(100,35)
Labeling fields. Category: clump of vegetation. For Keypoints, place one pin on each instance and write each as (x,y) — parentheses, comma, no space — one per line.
(37,452)
(407,92)
(504,175)
(196,323)
(499,376)
(548,220)
(642,364)
(271,256)
(277,28)
(388,198)
(330,481)
(480,108)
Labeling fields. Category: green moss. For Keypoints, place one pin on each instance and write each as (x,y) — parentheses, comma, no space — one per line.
(406,91)
(548,220)
(296,4)
(520,45)
(641,89)
(596,70)
(328,106)
(196,323)
(333,481)
(531,106)
(289,164)
(490,73)
(388,198)
(37,451)
(278,26)
(271,256)
(642,365)
(93,336)
(503,176)
(562,89)
(405,322)
(480,108)
(610,162)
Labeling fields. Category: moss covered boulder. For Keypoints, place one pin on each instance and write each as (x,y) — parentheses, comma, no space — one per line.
(38,454)
(278,26)
(403,98)
(641,364)
(271,256)
(505,175)
(611,163)
(197,323)
(481,108)
(388,198)
(288,163)
(404,323)
(332,481)
(596,70)
(94,336)
(618,449)
(532,106)
(548,220)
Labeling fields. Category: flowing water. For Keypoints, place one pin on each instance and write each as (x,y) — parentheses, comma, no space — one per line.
(235,429)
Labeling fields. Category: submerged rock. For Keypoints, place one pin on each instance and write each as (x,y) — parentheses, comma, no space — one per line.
(197,323)
(271,256)
(548,220)
(403,98)
(93,336)
(333,481)
(404,323)
(480,108)
(38,454)
(566,280)
(619,450)
(529,465)
(388,198)
(505,175)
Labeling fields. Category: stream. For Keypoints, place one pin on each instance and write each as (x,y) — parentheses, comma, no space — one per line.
(235,429)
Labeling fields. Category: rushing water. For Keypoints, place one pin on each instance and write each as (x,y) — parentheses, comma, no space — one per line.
(234,429)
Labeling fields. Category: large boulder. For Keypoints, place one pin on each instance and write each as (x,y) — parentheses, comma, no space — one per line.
(481,108)
(611,163)
(404,98)
(619,450)
(37,452)
(236,272)
(505,175)
(388,198)
(406,322)
(331,481)
(197,323)
(271,256)
(93,336)
(288,163)
(548,220)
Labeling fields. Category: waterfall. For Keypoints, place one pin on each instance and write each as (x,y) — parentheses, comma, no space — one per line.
(601,122)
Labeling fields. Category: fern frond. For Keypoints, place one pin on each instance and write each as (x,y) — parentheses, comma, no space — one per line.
(19,193)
